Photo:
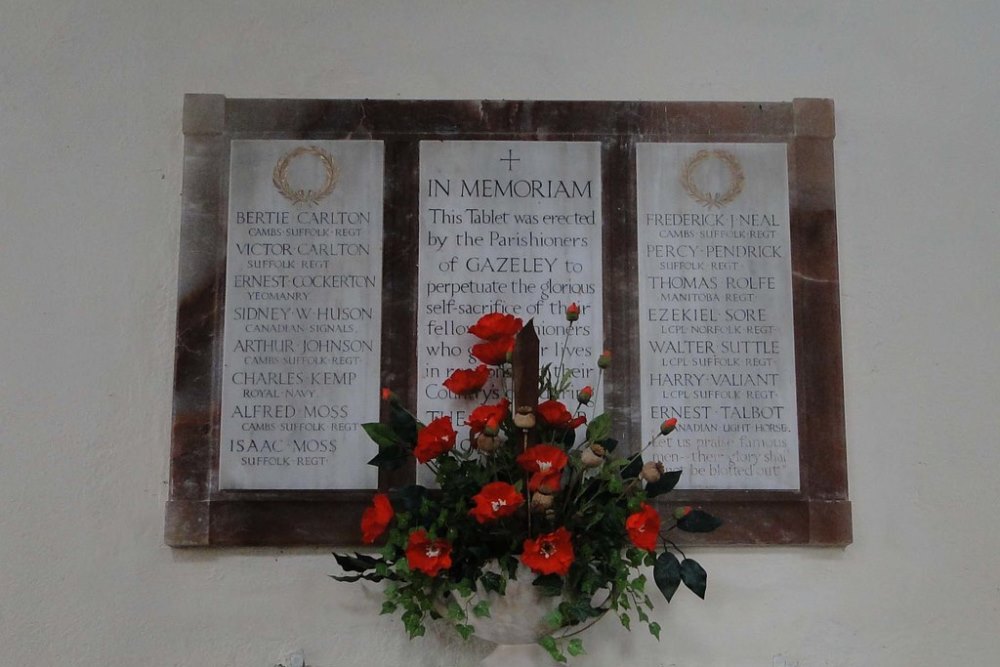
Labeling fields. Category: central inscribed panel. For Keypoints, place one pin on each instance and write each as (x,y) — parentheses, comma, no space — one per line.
(514,227)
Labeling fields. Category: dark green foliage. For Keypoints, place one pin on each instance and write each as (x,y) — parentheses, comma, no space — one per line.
(698,521)
(694,577)
(665,484)
(667,574)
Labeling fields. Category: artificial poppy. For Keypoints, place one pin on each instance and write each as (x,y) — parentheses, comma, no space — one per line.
(494,352)
(492,326)
(427,555)
(481,416)
(551,553)
(542,458)
(643,527)
(556,415)
(435,439)
(467,381)
(376,518)
(547,481)
(494,501)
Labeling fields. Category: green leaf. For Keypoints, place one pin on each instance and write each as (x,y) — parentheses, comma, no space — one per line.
(493,582)
(349,578)
(667,574)
(455,612)
(356,563)
(633,468)
(382,434)
(391,457)
(409,497)
(599,428)
(575,647)
(694,577)
(388,607)
(654,629)
(549,644)
(551,584)
(609,444)
(698,521)
(402,423)
(554,619)
(464,630)
(482,609)
(665,484)
(626,622)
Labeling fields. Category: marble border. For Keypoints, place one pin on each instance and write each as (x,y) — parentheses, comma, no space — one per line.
(199,514)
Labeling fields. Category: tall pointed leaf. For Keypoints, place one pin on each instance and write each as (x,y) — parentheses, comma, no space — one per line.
(667,574)
(694,577)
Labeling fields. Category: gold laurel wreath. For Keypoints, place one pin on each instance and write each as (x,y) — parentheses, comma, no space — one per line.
(300,196)
(713,199)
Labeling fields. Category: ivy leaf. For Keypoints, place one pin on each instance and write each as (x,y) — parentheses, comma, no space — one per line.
(382,434)
(626,621)
(388,607)
(549,644)
(654,629)
(349,578)
(575,647)
(455,612)
(464,630)
(667,574)
(551,584)
(482,609)
(554,619)
(698,521)
(493,582)
(694,577)
(665,484)
(356,563)
(599,428)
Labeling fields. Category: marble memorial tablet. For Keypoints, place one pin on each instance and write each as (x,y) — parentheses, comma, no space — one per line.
(302,314)
(507,226)
(715,312)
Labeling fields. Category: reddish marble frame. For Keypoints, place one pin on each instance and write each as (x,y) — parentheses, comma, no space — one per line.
(198,513)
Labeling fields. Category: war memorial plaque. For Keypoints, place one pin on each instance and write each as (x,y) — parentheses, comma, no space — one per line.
(333,247)
(715,308)
(303,314)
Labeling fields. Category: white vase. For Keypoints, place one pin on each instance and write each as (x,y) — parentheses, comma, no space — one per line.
(516,622)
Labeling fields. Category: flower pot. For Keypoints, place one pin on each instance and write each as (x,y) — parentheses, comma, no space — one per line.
(516,622)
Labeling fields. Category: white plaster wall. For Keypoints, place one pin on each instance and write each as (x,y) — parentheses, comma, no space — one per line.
(90,159)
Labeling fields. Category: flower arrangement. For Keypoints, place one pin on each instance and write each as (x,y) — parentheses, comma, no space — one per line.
(523,490)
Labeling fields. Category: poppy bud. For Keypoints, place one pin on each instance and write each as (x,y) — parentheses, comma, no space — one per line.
(524,417)
(487,443)
(682,512)
(604,360)
(386,394)
(572,312)
(584,395)
(541,501)
(651,471)
(592,457)
(492,427)
(668,426)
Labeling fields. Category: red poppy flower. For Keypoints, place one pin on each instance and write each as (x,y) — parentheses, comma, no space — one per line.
(494,352)
(427,555)
(435,439)
(548,481)
(643,527)
(495,500)
(555,414)
(496,325)
(549,554)
(484,413)
(542,458)
(467,381)
(376,518)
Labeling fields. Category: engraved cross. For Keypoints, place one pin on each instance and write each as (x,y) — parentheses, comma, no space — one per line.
(510,159)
